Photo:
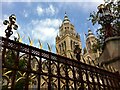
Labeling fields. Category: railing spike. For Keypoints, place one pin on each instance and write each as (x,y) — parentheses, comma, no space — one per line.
(40,44)
(49,47)
(30,41)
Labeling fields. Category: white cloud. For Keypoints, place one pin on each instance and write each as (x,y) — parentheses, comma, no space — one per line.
(51,10)
(47,22)
(52,0)
(46,30)
(25,13)
(5,17)
(17,0)
(40,10)
(2,28)
(89,5)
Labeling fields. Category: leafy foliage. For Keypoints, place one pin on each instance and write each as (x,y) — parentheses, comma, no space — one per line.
(10,61)
(97,46)
(102,18)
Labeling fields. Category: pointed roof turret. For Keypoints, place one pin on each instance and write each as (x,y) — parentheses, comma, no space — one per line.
(66,19)
(90,33)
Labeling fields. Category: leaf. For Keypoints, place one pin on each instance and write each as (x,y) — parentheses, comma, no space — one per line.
(33,77)
(6,77)
(19,79)
(20,73)
(7,72)
(24,74)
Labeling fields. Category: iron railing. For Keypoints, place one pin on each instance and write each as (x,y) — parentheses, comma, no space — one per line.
(25,67)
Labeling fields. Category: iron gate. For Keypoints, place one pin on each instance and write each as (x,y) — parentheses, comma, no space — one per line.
(28,68)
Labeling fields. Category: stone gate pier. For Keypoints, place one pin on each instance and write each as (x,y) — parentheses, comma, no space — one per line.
(111,53)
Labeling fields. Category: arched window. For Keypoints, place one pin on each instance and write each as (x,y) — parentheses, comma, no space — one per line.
(74,44)
(64,45)
(71,43)
(60,48)
(89,44)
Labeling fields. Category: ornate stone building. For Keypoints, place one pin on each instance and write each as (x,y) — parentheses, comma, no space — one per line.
(90,55)
(67,38)
(65,45)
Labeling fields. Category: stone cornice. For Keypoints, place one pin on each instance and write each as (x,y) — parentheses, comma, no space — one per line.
(112,38)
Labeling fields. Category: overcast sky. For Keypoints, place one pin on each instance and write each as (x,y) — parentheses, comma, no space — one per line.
(41,20)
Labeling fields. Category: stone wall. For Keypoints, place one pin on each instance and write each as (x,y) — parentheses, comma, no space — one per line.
(111,53)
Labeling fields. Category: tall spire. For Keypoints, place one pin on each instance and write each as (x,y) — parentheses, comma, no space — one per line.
(66,19)
(65,13)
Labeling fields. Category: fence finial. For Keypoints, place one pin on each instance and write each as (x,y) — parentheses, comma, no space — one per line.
(40,44)
(30,41)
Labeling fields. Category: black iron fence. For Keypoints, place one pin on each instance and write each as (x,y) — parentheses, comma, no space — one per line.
(25,67)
